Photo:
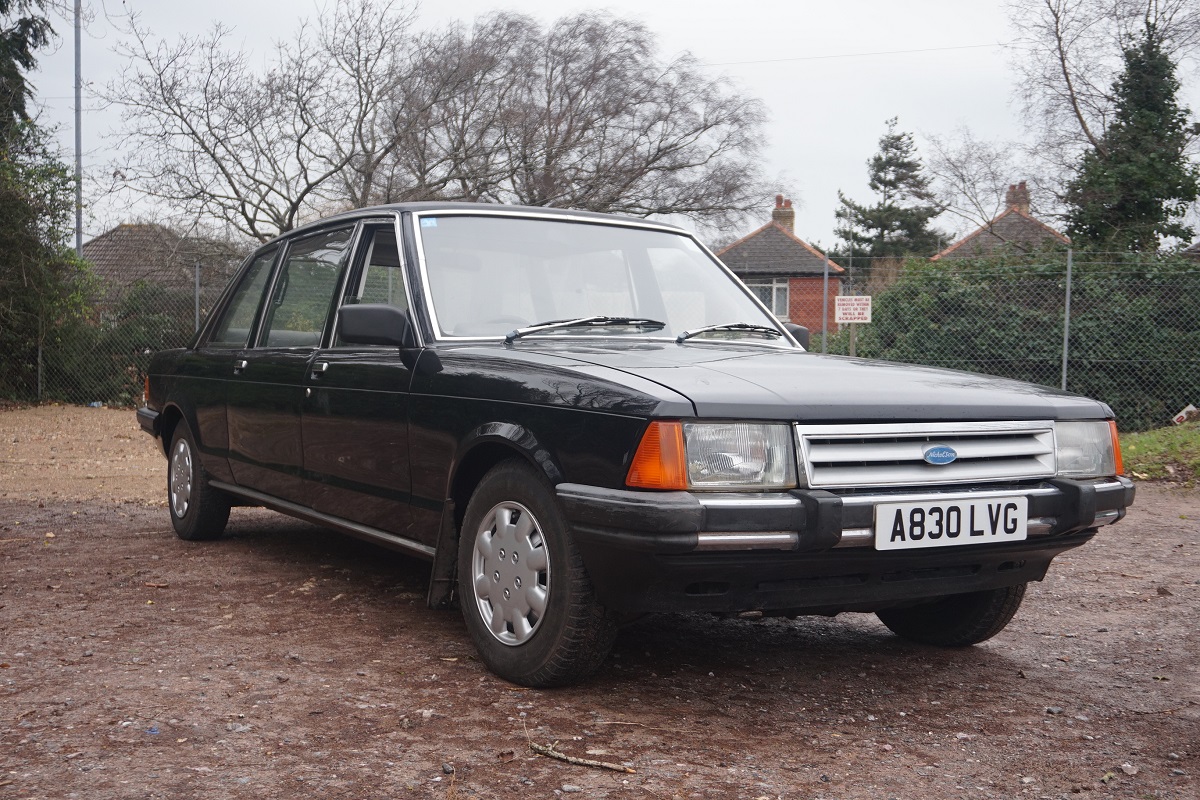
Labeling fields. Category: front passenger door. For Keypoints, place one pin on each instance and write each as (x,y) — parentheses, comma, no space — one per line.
(356,406)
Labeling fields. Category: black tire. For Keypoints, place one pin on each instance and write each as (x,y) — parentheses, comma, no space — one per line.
(526,599)
(198,511)
(958,620)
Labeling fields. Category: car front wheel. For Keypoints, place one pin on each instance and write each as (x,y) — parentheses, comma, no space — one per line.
(957,620)
(526,599)
(198,511)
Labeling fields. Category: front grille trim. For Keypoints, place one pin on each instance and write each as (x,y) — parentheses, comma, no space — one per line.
(891,454)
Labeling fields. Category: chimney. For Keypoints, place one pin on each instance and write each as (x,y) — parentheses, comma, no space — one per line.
(1018,197)
(784,214)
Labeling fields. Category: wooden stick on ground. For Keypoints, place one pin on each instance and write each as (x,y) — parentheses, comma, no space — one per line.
(550,752)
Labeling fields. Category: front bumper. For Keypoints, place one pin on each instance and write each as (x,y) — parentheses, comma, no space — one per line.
(809,551)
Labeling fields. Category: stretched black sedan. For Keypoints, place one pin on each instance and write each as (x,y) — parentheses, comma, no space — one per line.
(580,418)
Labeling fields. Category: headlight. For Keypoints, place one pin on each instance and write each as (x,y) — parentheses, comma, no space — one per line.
(714,455)
(739,455)
(1086,449)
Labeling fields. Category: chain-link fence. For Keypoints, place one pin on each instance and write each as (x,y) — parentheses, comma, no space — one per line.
(1119,328)
(102,357)
(147,288)
(1122,329)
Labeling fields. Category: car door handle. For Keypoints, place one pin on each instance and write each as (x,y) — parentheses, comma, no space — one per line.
(319,369)
(240,365)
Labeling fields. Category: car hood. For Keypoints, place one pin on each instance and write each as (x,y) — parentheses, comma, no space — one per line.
(747,381)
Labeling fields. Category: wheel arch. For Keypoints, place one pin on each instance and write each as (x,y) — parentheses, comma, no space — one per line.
(168,420)
(481,450)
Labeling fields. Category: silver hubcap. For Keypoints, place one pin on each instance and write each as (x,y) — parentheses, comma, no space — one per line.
(179,482)
(510,570)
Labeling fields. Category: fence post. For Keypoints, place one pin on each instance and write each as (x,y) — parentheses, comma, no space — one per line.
(197,295)
(41,359)
(825,307)
(1066,347)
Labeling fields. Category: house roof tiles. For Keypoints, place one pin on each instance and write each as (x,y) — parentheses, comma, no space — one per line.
(133,252)
(1012,229)
(774,251)
(146,252)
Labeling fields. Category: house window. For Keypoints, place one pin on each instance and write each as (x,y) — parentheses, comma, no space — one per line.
(773,292)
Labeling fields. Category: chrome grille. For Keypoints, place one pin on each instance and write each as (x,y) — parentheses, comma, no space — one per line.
(849,456)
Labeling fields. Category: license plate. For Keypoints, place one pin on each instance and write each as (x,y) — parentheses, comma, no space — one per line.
(909,526)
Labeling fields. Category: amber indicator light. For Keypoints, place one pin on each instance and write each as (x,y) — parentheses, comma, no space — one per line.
(659,462)
(1112,425)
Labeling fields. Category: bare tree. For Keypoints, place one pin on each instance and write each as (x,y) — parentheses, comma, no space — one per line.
(971,175)
(459,98)
(357,109)
(362,47)
(602,124)
(204,133)
(260,151)
(1068,55)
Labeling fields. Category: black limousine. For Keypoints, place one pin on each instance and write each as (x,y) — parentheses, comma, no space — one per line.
(580,418)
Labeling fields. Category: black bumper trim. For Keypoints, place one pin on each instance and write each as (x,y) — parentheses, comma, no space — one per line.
(806,583)
(148,420)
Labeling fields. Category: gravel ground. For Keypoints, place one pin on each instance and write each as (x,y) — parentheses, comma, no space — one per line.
(287,661)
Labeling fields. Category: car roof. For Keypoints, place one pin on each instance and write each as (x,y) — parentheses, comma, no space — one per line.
(457,206)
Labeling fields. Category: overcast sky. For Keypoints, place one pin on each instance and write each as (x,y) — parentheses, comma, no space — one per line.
(829,73)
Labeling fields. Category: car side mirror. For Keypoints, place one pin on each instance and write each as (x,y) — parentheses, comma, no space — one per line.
(798,332)
(376,323)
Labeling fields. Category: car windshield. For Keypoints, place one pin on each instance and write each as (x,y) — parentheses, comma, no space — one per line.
(489,275)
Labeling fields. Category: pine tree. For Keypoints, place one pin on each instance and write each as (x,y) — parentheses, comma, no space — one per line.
(898,224)
(1134,187)
(21,33)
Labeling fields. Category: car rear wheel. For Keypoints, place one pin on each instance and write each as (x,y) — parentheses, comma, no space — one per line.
(526,599)
(198,511)
(958,620)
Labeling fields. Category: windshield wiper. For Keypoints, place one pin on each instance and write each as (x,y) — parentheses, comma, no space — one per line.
(586,322)
(730,326)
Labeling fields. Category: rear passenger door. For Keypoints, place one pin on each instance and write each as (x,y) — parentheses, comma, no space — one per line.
(265,395)
(205,372)
(356,405)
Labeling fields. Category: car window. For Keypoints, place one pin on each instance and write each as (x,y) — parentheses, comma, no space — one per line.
(488,275)
(303,291)
(381,279)
(233,330)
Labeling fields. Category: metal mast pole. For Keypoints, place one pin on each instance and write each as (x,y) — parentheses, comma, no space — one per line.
(78,133)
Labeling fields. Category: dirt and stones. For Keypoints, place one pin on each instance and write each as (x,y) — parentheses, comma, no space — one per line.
(285,661)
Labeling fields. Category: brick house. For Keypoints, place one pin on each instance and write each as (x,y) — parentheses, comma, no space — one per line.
(1013,230)
(784,271)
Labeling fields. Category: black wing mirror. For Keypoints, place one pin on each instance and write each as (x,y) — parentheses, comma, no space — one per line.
(798,332)
(376,323)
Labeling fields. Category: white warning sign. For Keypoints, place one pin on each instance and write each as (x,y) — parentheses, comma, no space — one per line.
(852,308)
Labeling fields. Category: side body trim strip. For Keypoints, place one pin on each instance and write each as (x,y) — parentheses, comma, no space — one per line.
(337,523)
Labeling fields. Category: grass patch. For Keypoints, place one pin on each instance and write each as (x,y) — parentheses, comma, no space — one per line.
(1165,454)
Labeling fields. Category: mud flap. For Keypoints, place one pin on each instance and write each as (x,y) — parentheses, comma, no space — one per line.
(443,578)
